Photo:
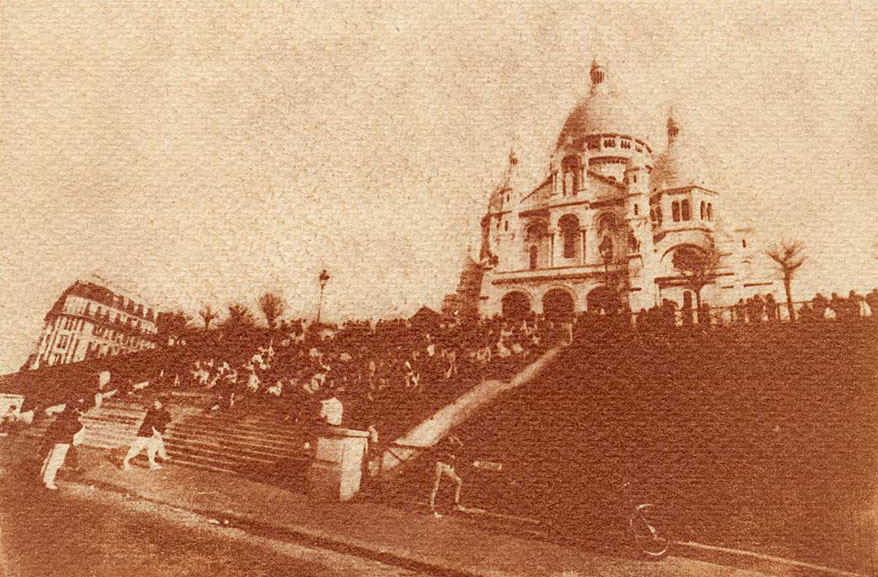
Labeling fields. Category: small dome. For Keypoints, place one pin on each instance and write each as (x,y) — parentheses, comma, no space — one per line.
(682,164)
(605,110)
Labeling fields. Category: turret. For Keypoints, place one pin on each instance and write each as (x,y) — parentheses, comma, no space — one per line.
(598,73)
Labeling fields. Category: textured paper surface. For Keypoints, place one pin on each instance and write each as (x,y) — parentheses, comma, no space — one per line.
(206,153)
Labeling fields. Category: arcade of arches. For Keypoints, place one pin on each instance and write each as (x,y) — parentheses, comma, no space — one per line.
(559,303)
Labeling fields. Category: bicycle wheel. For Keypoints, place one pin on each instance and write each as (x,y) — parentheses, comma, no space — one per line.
(649,540)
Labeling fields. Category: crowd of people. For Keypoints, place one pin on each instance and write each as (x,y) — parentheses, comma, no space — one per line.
(382,376)
(759,309)
(385,374)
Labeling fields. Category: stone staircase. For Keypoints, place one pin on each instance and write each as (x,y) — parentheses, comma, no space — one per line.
(248,445)
(265,443)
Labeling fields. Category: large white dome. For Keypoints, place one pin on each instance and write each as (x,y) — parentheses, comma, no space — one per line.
(604,110)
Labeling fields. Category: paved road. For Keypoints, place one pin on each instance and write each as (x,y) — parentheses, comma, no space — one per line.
(83,531)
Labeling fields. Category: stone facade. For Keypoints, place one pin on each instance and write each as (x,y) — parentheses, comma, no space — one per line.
(602,228)
(90,321)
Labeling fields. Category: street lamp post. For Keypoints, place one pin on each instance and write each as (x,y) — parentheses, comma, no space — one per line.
(324,278)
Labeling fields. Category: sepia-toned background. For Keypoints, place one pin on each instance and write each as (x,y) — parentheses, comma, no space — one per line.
(208,152)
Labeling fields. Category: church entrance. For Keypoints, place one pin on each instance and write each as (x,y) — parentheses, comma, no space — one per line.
(602,300)
(516,305)
(558,304)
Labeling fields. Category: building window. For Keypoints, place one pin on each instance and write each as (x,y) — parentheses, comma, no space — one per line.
(593,143)
(506,226)
(62,342)
(638,148)
(658,215)
(534,255)
(686,214)
(625,143)
(744,243)
(609,143)
(569,226)
(709,211)
(703,210)
(675,211)
(636,210)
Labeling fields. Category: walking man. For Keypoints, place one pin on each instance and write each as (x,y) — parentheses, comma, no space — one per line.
(149,437)
(445,467)
(65,431)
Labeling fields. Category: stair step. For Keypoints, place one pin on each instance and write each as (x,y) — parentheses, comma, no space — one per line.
(218,461)
(252,449)
(274,429)
(218,453)
(182,461)
(273,440)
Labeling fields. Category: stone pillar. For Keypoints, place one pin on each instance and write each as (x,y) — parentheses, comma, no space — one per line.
(337,465)
(583,260)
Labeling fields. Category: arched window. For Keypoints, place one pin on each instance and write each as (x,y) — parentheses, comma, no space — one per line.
(703,211)
(569,225)
(533,236)
(709,211)
(636,210)
(675,211)
(686,214)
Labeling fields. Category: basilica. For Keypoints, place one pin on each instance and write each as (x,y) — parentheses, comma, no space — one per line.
(612,221)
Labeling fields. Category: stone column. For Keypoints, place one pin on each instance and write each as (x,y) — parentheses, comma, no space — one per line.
(583,259)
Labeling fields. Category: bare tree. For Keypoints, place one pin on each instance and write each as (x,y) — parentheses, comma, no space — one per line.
(239,315)
(788,257)
(208,315)
(272,306)
(697,266)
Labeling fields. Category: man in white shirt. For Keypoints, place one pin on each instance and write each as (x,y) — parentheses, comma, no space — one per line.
(331,410)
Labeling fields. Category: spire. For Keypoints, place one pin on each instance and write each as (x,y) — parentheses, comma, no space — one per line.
(673,126)
(510,168)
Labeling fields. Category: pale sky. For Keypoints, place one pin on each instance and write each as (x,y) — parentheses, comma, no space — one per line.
(208,152)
